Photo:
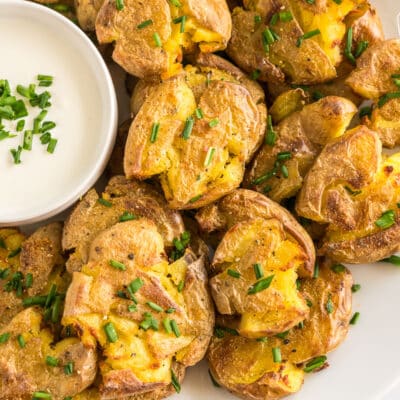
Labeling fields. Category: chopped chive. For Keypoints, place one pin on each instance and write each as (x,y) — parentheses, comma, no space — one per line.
(135,285)
(356,287)
(270,137)
(181,20)
(199,113)
(329,305)
(285,171)
(127,216)
(268,37)
(316,270)
(267,189)
(167,325)
(6,135)
(307,35)
(55,310)
(51,361)
(317,95)
(255,74)
(176,3)
(170,310)
(233,273)
(149,322)
(6,112)
(14,252)
(21,341)
(284,155)
(180,286)
(47,125)
(213,123)
(338,1)
(45,138)
(361,47)
(175,328)
(258,271)
(209,156)
(51,295)
(16,154)
(349,45)
(69,368)
(41,395)
(395,260)
(274,19)
(276,354)
(34,301)
(42,77)
(52,145)
(257,19)
(132,308)
(157,39)
(355,318)
(104,202)
(111,333)
(20,125)
(352,192)
(144,24)
(387,97)
(285,16)
(28,137)
(282,335)
(117,265)
(338,268)
(309,303)
(187,130)
(195,198)
(119,4)
(314,364)
(261,285)
(154,306)
(387,219)
(154,132)
(264,177)
(4,337)
(300,325)
(175,383)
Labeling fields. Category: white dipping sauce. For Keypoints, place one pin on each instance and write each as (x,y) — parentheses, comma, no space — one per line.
(42,181)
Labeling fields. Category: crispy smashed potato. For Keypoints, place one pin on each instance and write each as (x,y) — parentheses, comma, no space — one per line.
(296,40)
(144,312)
(376,67)
(151,38)
(197,132)
(121,199)
(256,265)
(246,367)
(28,266)
(86,12)
(31,362)
(291,147)
(354,189)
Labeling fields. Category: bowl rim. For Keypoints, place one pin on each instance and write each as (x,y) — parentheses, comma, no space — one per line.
(66,200)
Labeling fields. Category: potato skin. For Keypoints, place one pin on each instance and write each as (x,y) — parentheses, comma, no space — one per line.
(24,371)
(303,134)
(352,197)
(90,217)
(245,366)
(86,12)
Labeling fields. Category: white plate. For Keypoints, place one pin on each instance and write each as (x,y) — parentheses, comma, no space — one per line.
(365,366)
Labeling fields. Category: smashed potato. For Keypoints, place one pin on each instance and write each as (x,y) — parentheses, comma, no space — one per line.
(197,132)
(143,311)
(273,367)
(151,38)
(355,190)
(291,147)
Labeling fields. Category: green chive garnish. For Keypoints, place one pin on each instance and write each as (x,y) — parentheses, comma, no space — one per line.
(285,171)
(355,318)
(387,219)
(187,130)
(387,97)
(104,202)
(154,132)
(14,253)
(285,16)
(69,368)
(175,383)
(176,3)
(117,265)
(132,308)
(329,305)
(16,154)
(52,145)
(314,364)
(284,155)
(356,287)
(127,216)
(28,136)
(41,395)
(4,337)
(395,260)
(274,19)
(119,4)
(175,329)
(338,268)
(257,19)
(111,333)
(55,310)
(51,361)
(316,270)
(213,123)
(270,137)
(255,74)
(276,354)
(149,322)
(21,341)
(170,310)
(144,24)
(154,306)
(199,113)
(195,198)
(209,156)
(349,45)
(361,47)
(258,271)
(307,35)
(282,335)
(20,125)
(180,286)
(233,273)
(157,39)
(261,285)
(136,285)
(167,325)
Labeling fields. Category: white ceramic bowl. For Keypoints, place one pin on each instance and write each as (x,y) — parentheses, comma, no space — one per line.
(83,101)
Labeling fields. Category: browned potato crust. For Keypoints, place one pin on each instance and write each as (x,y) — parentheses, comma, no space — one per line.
(244,205)
(352,197)
(373,76)
(24,370)
(210,161)
(139,52)
(91,217)
(40,256)
(245,366)
(86,12)
(92,302)
(301,136)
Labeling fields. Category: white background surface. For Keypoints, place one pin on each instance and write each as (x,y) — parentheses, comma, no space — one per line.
(367,365)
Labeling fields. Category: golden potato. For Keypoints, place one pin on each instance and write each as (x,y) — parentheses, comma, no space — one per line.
(354,189)
(142,311)
(197,132)
(121,197)
(28,266)
(287,103)
(292,146)
(86,12)
(152,38)
(385,121)
(25,367)
(246,367)
(373,76)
